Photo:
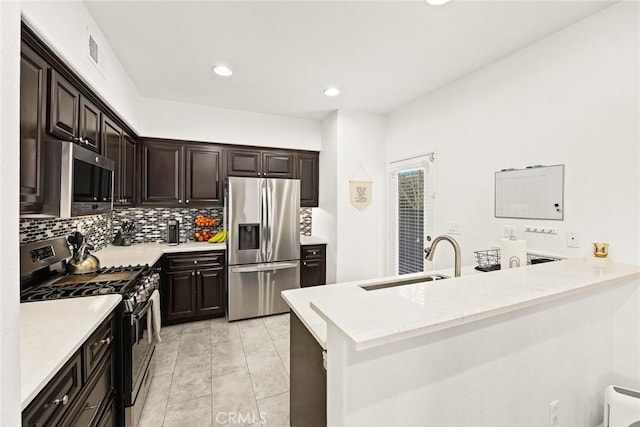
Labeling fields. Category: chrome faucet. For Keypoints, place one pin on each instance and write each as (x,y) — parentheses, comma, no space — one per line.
(456,248)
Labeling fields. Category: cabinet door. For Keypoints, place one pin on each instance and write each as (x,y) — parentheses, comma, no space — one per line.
(308,172)
(90,124)
(180,295)
(211,291)
(112,141)
(203,181)
(128,170)
(244,163)
(64,104)
(277,164)
(313,273)
(33,95)
(162,176)
(57,397)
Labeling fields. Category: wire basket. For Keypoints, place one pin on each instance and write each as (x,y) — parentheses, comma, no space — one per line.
(488,258)
(491,258)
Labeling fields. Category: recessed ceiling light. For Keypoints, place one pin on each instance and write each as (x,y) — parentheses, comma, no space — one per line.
(437,2)
(222,70)
(332,91)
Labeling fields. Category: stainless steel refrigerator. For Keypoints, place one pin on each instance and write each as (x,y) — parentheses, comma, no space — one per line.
(263,217)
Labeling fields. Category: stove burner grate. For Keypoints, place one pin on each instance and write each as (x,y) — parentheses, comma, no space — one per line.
(120,280)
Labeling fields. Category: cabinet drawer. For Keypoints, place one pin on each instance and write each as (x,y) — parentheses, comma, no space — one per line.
(190,261)
(95,398)
(59,395)
(99,344)
(313,252)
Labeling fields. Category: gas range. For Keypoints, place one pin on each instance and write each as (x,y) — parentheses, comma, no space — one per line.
(134,283)
(44,278)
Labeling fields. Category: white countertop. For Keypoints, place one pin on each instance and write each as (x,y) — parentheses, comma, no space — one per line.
(312,240)
(51,332)
(300,299)
(392,314)
(149,253)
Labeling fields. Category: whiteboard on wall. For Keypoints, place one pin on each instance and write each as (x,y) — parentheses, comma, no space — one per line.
(531,193)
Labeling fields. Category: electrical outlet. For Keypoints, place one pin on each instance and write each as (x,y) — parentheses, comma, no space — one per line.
(553,413)
(453,228)
(508,231)
(573,240)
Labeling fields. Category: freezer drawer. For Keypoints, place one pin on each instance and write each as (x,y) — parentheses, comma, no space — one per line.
(254,289)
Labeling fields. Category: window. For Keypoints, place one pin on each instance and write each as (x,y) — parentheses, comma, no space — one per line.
(411,216)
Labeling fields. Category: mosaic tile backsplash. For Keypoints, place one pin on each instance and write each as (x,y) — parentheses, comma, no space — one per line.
(151,225)
(96,228)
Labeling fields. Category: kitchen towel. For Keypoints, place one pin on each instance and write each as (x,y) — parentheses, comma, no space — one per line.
(513,253)
(153,321)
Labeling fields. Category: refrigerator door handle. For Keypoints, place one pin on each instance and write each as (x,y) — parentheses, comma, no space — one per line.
(264,244)
(268,224)
(264,267)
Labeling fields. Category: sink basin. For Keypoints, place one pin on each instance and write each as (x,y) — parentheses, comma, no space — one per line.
(421,279)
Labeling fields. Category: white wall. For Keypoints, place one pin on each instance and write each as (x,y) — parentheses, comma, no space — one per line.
(168,119)
(361,234)
(63,26)
(571,98)
(9,176)
(502,371)
(325,216)
(352,149)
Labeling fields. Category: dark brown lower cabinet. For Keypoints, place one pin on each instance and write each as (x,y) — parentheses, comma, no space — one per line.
(313,271)
(308,397)
(193,286)
(82,393)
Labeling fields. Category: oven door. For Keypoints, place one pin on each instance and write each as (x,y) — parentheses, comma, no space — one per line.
(141,348)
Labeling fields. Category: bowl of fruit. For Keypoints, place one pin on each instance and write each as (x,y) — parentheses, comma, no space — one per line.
(206,236)
(203,221)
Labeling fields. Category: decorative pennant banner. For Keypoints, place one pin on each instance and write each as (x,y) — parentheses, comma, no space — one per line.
(360,193)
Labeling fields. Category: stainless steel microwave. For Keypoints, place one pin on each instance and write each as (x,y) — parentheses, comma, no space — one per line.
(77,181)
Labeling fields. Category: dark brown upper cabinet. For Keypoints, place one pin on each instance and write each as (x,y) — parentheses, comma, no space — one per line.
(128,176)
(120,148)
(72,117)
(182,174)
(89,128)
(162,173)
(309,175)
(64,107)
(203,179)
(244,163)
(33,95)
(264,163)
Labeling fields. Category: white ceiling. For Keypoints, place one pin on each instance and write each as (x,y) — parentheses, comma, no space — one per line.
(381,54)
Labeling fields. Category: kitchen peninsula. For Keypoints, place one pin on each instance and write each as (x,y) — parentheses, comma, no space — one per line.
(501,345)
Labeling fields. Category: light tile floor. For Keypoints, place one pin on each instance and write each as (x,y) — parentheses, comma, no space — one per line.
(213,372)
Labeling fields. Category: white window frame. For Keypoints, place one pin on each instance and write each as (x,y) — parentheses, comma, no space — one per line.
(428,163)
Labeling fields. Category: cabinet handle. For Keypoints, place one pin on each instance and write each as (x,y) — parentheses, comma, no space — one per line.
(89,407)
(179,200)
(106,341)
(304,263)
(187,200)
(193,273)
(198,273)
(64,400)
(195,261)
